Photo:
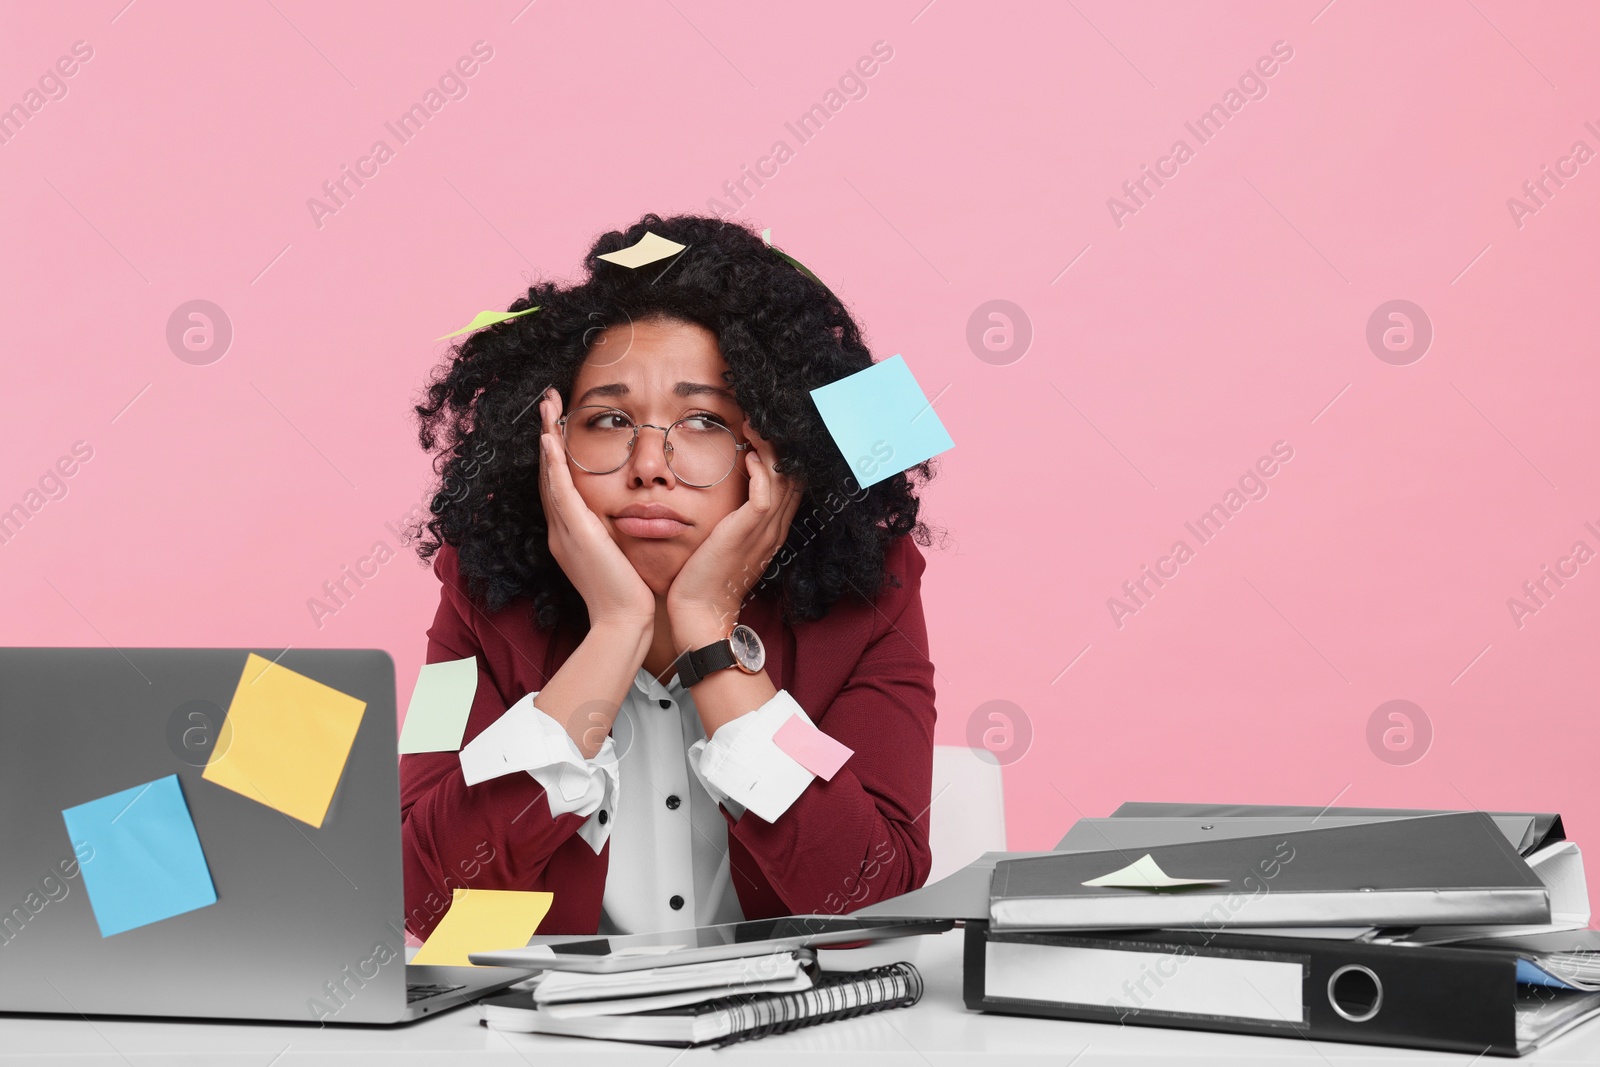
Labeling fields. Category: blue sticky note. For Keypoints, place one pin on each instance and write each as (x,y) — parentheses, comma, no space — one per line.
(146,864)
(881,421)
(1529,973)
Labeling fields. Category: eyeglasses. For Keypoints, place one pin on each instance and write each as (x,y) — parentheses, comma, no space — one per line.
(701,450)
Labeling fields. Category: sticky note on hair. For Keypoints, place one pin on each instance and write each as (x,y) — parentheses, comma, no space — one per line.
(881,421)
(140,856)
(289,739)
(483,920)
(486,318)
(440,704)
(646,250)
(810,747)
(766,235)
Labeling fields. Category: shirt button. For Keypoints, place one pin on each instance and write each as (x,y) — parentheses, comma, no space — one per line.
(673,802)
(666,703)
(603,816)
(676,903)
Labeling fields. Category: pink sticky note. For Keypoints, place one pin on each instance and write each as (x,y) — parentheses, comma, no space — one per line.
(810,747)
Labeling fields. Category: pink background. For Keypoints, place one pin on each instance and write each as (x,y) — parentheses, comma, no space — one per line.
(1228,313)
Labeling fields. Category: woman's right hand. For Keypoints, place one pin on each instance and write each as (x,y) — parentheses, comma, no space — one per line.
(591,560)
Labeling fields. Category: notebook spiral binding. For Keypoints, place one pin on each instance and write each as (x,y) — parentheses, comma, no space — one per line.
(837,995)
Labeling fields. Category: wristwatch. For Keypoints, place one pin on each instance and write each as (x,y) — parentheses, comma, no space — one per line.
(742,649)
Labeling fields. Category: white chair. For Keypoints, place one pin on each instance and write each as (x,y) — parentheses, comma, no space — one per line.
(968,816)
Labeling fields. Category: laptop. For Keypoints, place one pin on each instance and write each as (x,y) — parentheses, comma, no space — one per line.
(308,921)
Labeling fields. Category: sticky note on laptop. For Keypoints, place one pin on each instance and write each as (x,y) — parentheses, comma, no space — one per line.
(482,920)
(143,857)
(1146,873)
(291,738)
(881,421)
(436,719)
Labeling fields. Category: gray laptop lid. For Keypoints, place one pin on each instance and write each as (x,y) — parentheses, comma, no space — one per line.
(304,915)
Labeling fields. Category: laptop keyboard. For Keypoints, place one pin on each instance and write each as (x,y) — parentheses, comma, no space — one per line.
(415,993)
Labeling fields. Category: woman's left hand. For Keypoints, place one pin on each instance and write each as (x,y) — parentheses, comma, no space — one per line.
(708,592)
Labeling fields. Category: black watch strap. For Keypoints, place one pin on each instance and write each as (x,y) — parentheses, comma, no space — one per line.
(697,663)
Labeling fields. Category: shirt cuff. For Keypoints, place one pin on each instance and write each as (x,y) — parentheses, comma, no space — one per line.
(740,761)
(526,739)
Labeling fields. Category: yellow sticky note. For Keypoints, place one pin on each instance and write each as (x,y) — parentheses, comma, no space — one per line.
(291,736)
(647,249)
(482,920)
(486,318)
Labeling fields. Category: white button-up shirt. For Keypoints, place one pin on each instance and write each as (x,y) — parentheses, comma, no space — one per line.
(653,790)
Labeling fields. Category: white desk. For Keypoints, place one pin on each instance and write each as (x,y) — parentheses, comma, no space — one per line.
(939,1031)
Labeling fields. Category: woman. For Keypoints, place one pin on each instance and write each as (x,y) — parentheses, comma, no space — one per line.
(658,557)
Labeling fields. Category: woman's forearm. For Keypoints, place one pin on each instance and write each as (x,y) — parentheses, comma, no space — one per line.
(585,694)
(838,849)
(721,696)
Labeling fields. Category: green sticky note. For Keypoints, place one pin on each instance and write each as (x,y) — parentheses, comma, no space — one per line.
(766,235)
(881,421)
(440,704)
(486,318)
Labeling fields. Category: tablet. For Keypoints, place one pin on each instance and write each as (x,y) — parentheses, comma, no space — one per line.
(636,952)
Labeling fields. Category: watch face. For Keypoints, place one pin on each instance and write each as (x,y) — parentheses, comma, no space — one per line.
(747,649)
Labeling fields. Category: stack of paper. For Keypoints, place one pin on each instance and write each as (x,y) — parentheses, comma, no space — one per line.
(594,1005)
(724,1002)
(573,995)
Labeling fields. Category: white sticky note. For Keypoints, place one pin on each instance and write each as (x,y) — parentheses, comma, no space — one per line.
(1145,873)
(440,704)
(648,249)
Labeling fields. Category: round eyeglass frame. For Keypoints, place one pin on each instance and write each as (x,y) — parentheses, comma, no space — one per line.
(666,443)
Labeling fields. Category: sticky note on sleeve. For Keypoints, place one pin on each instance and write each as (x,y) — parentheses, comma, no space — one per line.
(483,920)
(142,860)
(440,705)
(881,421)
(810,747)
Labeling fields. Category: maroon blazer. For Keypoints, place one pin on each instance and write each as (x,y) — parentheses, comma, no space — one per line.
(863,675)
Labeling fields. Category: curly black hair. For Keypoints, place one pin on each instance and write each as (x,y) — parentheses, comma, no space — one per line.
(782,333)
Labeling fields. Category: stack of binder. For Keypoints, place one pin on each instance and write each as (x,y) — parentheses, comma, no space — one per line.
(1463,931)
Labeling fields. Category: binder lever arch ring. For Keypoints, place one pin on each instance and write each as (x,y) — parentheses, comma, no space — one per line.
(1361,995)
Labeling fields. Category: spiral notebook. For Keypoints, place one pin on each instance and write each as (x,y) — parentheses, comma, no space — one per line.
(726,1019)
